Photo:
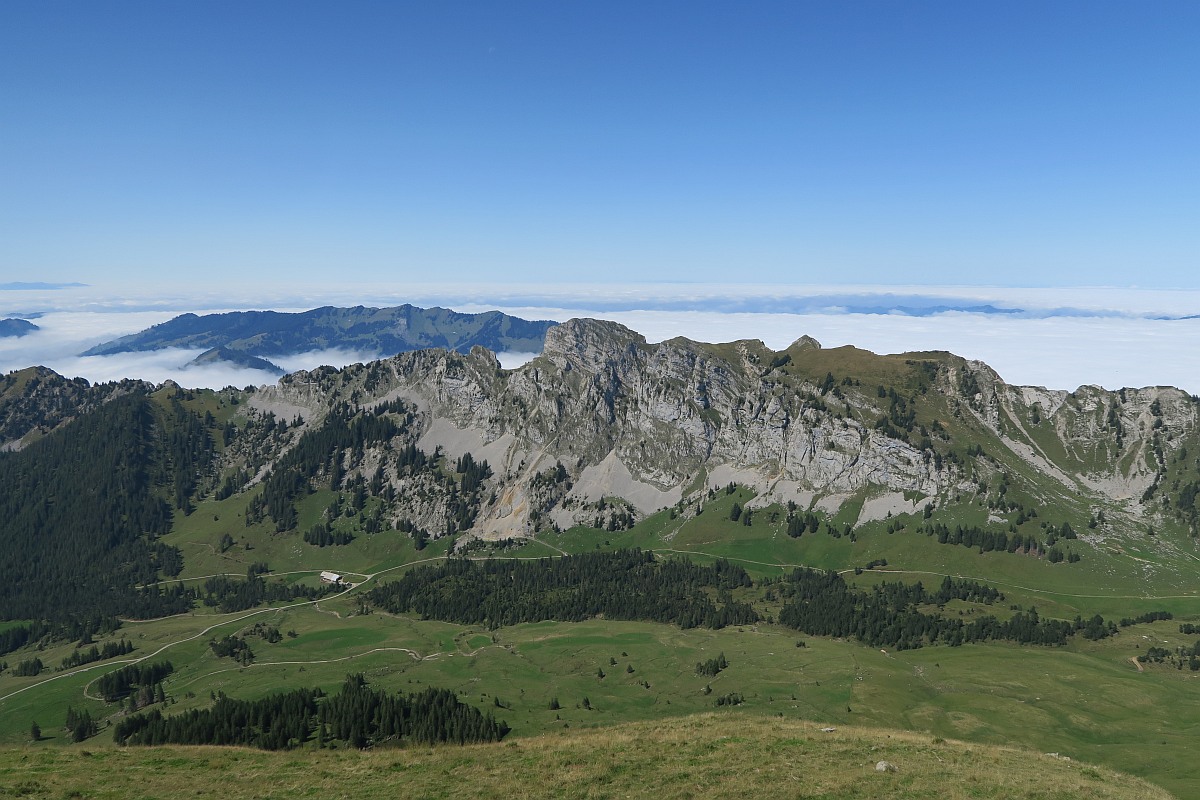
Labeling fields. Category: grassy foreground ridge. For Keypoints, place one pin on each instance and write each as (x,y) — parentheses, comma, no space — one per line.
(706,755)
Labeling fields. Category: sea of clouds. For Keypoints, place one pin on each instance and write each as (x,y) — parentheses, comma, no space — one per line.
(1059,338)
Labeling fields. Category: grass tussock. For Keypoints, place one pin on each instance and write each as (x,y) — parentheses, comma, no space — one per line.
(707,755)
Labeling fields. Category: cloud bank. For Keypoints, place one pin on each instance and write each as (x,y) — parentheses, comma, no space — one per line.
(1059,338)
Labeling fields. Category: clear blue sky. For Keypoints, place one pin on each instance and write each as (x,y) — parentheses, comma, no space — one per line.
(1013,143)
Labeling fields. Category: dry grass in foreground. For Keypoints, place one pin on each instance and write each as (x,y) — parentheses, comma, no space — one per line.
(710,755)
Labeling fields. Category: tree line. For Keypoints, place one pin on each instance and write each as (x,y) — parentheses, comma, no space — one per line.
(228,594)
(357,716)
(94,653)
(624,584)
(17,636)
(823,604)
(989,540)
(81,509)
(80,725)
(117,685)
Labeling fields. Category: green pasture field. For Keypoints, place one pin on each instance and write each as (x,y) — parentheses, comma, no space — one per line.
(1115,582)
(1086,700)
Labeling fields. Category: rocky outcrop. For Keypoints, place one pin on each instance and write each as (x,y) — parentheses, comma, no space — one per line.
(37,400)
(1115,444)
(632,420)
(656,424)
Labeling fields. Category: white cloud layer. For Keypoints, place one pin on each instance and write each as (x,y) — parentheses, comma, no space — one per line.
(513,359)
(727,298)
(332,357)
(1122,340)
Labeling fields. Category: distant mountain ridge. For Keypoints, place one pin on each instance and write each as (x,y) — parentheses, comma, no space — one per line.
(225,355)
(16,327)
(251,337)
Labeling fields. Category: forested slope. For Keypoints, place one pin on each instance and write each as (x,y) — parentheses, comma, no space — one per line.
(81,511)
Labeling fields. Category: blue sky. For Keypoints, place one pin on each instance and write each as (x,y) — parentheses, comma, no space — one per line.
(1020,144)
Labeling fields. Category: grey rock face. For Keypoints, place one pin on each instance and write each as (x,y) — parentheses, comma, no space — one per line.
(654,424)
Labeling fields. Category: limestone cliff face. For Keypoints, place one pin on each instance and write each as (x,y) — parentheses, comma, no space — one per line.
(1115,444)
(655,424)
(630,419)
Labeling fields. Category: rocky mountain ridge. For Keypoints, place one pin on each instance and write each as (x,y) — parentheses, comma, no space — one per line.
(655,425)
(36,401)
(604,425)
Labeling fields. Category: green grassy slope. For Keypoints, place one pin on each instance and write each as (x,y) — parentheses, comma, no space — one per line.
(714,755)
(1085,700)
